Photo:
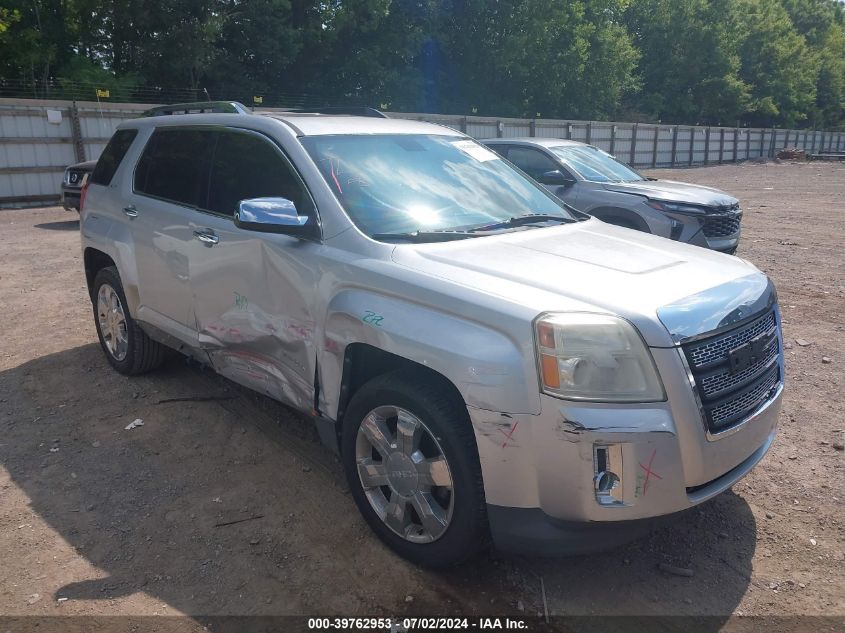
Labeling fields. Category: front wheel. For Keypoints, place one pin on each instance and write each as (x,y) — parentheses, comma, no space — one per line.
(412,465)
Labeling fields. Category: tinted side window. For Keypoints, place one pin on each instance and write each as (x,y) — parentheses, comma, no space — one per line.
(501,150)
(531,161)
(247,166)
(174,165)
(110,159)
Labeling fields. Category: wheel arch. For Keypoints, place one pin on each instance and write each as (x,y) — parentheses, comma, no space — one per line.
(95,260)
(620,214)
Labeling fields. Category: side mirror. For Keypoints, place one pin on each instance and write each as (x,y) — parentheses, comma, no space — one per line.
(272,215)
(556,177)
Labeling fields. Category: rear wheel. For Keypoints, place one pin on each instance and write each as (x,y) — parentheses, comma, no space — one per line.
(127,347)
(412,466)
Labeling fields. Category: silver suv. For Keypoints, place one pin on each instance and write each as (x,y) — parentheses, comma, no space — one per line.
(487,363)
(594,182)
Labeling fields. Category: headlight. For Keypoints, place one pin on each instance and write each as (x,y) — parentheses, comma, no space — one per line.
(675,207)
(595,357)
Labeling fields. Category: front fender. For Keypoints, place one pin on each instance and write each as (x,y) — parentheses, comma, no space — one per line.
(487,366)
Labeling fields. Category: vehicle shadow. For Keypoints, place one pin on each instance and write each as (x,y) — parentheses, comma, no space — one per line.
(195,511)
(697,563)
(198,510)
(65,225)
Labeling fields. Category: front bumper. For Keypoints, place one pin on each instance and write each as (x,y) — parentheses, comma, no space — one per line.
(70,198)
(539,470)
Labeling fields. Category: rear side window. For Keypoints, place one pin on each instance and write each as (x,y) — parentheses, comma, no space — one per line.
(248,166)
(110,158)
(174,166)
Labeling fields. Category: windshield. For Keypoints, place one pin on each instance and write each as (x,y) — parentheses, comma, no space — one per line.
(593,164)
(403,183)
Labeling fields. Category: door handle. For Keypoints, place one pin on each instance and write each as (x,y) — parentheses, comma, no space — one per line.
(206,237)
(131,211)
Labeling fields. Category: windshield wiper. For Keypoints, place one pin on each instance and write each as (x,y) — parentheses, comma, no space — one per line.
(522,220)
(425,236)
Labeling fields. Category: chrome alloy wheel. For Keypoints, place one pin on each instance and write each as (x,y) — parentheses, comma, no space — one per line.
(404,474)
(112,321)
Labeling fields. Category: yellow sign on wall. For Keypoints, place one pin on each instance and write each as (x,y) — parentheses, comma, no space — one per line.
(102,93)
(258,100)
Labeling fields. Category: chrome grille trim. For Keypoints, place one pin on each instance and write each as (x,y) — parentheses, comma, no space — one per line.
(727,397)
(712,350)
(737,406)
(720,382)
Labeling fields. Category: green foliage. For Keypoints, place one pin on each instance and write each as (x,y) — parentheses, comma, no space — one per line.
(760,62)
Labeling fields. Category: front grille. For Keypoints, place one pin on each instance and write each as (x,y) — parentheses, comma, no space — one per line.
(722,225)
(715,349)
(731,390)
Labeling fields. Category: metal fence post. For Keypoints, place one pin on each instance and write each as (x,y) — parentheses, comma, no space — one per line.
(813,147)
(633,160)
(499,129)
(589,132)
(772,143)
(747,144)
(736,144)
(721,145)
(463,125)
(674,143)
(569,131)
(613,139)
(707,145)
(786,140)
(692,132)
(532,127)
(762,141)
(654,146)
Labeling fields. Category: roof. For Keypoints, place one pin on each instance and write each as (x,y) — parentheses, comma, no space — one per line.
(322,124)
(534,140)
(304,124)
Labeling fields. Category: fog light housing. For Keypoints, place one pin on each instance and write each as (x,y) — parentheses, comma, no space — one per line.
(607,475)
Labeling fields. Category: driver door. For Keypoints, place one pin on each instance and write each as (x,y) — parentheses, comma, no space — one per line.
(253,292)
(535,163)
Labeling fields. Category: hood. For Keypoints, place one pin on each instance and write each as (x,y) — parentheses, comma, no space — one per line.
(671,191)
(88,165)
(590,266)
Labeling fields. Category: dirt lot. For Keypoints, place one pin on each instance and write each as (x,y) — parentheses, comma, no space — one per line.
(98,520)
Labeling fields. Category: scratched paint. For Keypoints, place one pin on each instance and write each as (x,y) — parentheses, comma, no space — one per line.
(509,441)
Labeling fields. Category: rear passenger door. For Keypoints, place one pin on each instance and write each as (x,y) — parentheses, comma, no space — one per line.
(253,292)
(170,177)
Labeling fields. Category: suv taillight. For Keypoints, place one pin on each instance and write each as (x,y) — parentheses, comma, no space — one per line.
(83,192)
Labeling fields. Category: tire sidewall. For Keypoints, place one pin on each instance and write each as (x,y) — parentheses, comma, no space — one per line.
(110,276)
(464,534)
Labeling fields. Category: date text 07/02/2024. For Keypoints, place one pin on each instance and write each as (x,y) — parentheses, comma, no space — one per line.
(406,625)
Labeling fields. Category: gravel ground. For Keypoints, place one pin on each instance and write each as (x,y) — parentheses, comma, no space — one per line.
(97,520)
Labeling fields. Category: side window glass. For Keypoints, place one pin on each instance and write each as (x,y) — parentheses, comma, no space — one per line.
(247,166)
(501,150)
(531,161)
(112,156)
(174,166)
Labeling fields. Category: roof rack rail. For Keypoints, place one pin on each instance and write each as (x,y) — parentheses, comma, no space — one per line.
(353,110)
(200,107)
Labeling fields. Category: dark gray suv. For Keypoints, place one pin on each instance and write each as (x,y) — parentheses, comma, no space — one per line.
(594,182)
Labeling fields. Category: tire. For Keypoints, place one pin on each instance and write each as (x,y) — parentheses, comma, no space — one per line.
(731,251)
(444,427)
(126,346)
